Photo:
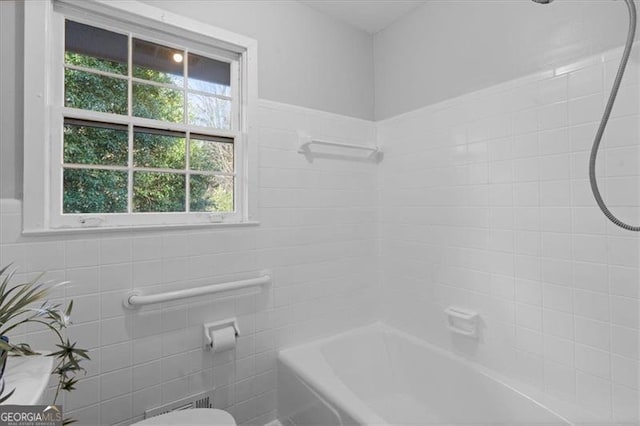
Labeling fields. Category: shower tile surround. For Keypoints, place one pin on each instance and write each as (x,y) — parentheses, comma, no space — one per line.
(485,204)
(481,201)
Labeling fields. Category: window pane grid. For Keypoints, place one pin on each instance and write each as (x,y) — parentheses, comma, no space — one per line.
(108,117)
(95,167)
(205,172)
(203,178)
(130,153)
(96,71)
(145,169)
(130,103)
(210,95)
(185,101)
(206,95)
(155,83)
(195,170)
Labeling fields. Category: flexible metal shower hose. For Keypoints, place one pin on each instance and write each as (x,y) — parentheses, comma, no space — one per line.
(605,119)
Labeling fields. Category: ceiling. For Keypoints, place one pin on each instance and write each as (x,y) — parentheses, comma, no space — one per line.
(367,15)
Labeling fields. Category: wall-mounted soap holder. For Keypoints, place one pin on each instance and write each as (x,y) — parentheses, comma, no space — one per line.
(462,321)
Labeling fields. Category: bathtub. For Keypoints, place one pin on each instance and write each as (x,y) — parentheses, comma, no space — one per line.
(378,375)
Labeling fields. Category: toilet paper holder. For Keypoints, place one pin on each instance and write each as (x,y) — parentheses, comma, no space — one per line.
(210,327)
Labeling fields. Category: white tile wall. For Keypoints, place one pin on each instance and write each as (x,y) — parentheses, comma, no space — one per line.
(481,201)
(317,236)
(485,203)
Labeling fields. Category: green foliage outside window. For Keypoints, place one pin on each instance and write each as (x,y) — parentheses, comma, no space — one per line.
(105,191)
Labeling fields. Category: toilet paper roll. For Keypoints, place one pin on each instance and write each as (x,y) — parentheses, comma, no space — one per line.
(223,339)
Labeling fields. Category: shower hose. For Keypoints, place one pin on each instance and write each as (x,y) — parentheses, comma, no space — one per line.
(605,119)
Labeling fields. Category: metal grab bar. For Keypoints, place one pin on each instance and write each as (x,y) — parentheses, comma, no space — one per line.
(135,298)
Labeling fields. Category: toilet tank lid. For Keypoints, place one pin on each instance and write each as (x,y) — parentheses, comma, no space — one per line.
(192,417)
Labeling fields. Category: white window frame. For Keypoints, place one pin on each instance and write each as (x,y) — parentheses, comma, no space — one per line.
(44,113)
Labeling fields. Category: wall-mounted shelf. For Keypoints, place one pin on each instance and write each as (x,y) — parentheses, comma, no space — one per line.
(306,142)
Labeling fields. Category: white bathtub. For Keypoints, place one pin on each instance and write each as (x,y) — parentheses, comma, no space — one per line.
(378,375)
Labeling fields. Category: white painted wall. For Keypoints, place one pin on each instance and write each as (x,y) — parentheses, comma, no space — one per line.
(305,58)
(446,48)
(11,82)
(486,205)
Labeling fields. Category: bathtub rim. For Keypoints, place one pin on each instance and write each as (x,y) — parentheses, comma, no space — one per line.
(323,379)
(332,390)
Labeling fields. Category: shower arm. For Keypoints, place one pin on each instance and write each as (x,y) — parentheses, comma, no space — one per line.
(605,119)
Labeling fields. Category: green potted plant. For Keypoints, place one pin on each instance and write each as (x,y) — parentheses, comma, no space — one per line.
(27,303)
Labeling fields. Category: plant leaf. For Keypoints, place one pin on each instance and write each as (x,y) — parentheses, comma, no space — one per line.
(7,396)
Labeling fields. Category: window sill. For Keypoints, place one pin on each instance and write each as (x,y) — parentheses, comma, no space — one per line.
(129,229)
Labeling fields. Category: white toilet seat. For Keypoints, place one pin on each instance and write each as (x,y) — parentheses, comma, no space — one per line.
(191,417)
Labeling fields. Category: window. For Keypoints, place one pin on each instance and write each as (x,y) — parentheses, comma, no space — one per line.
(145,123)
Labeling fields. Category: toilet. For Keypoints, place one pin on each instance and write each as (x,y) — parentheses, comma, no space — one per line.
(191,417)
